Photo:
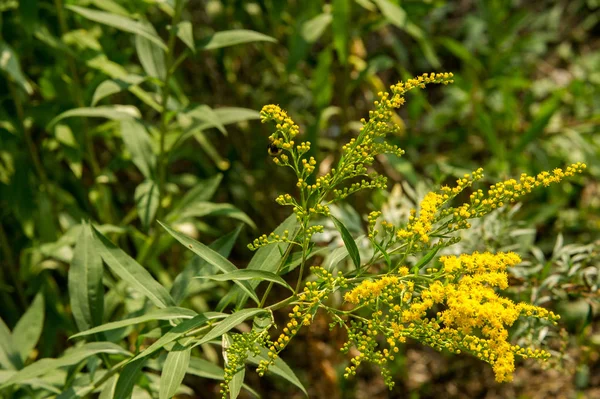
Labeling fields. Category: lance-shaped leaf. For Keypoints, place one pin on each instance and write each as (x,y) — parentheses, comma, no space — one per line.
(246,274)
(127,379)
(138,143)
(212,257)
(232,37)
(85,282)
(348,241)
(186,34)
(171,313)
(113,112)
(9,357)
(72,357)
(146,201)
(120,22)
(117,85)
(28,329)
(132,272)
(279,368)
(9,63)
(151,56)
(173,371)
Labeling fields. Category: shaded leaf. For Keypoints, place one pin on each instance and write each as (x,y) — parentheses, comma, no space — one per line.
(9,357)
(200,209)
(341,28)
(279,368)
(229,323)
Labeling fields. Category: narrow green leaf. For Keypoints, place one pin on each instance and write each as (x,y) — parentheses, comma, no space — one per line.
(204,113)
(201,192)
(86,291)
(280,368)
(212,257)
(28,329)
(314,27)
(200,209)
(388,261)
(341,28)
(113,86)
(130,271)
(232,37)
(426,259)
(70,358)
(146,201)
(222,245)
(151,56)
(170,313)
(9,63)
(120,22)
(186,34)
(392,12)
(348,241)
(174,334)
(127,379)
(174,370)
(336,256)
(229,323)
(113,112)
(246,274)
(9,357)
(138,143)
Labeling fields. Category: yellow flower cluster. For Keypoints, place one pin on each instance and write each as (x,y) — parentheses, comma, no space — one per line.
(471,317)
(419,227)
(509,191)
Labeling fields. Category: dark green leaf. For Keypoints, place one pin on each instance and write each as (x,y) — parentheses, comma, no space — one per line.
(127,379)
(229,323)
(341,28)
(348,241)
(427,258)
(280,368)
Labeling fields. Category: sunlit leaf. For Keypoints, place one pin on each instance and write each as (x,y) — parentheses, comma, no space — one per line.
(232,37)
(28,329)
(146,200)
(120,22)
(174,370)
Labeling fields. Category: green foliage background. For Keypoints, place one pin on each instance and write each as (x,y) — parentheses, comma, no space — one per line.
(90,131)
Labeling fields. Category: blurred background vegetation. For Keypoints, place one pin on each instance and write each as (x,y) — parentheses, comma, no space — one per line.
(90,130)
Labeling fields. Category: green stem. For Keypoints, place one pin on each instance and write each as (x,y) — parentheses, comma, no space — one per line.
(10,264)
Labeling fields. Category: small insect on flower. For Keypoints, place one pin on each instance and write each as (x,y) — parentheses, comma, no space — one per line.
(273,150)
